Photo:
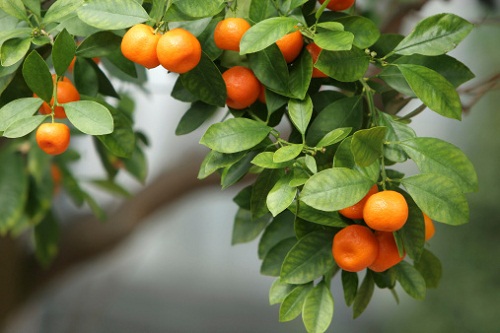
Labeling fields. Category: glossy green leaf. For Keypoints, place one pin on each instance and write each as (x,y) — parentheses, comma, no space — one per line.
(271,69)
(331,219)
(334,137)
(214,161)
(233,173)
(287,153)
(205,82)
(112,14)
(332,37)
(278,291)
(235,135)
(292,305)
(190,10)
(430,268)
(60,9)
(263,184)
(18,109)
(13,50)
(247,228)
(261,9)
(335,188)
(413,232)
(89,117)
(344,66)
(350,283)
(410,279)
(273,260)
(396,131)
(265,33)
(318,309)
(310,258)
(121,142)
(63,52)
(100,44)
(367,145)
(433,155)
(266,160)
(364,30)
(300,112)
(300,75)
(23,126)
(439,197)
(194,117)
(14,182)
(433,90)
(37,76)
(279,229)
(435,35)
(14,8)
(364,295)
(85,78)
(281,195)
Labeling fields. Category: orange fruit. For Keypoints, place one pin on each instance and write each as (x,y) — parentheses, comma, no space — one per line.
(242,87)
(354,248)
(355,211)
(429,227)
(290,45)
(56,176)
(315,50)
(262,94)
(53,138)
(139,45)
(178,50)
(388,254)
(71,66)
(66,92)
(339,5)
(228,33)
(386,211)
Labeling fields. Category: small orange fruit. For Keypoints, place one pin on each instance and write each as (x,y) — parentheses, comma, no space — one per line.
(139,45)
(71,66)
(242,87)
(262,94)
(53,138)
(355,211)
(429,227)
(354,248)
(315,50)
(290,45)
(228,33)
(178,50)
(338,5)
(66,92)
(386,211)
(56,176)
(388,254)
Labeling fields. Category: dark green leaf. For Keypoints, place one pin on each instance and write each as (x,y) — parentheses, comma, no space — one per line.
(412,234)
(410,279)
(194,117)
(331,219)
(233,173)
(292,305)
(265,33)
(279,229)
(367,145)
(270,68)
(350,286)
(396,131)
(60,9)
(37,76)
(214,161)
(63,52)
(300,75)
(46,240)
(247,228)
(344,66)
(365,31)
(273,260)
(121,142)
(430,268)
(100,44)
(281,195)
(363,296)
(264,183)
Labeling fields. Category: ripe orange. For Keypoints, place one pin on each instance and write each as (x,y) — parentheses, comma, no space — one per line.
(290,45)
(429,227)
(386,211)
(71,66)
(228,33)
(355,211)
(262,94)
(139,45)
(388,254)
(66,92)
(242,87)
(314,50)
(53,138)
(178,50)
(354,248)
(56,177)
(339,5)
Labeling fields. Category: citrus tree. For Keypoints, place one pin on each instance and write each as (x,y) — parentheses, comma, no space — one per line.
(318,110)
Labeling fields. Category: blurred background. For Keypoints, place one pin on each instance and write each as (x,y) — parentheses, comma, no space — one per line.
(172,267)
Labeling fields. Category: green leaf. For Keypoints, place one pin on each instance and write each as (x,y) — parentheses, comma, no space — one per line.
(335,188)
(261,9)
(433,155)
(364,295)
(300,75)
(14,185)
(292,305)
(271,265)
(205,82)
(235,135)
(121,142)
(331,219)
(63,52)
(281,195)
(263,184)
(111,187)
(60,9)
(309,258)
(99,44)
(112,14)
(413,232)
(300,112)
(23,126)
(332,37)
(194,117)
(233,173)
(37,76)
(367,145)
(266,160)
(14,8)
(180,92)
(435,35)
(438,197)
(279,229)
(271,70)
(214,161)
(364,30)
(137,165)
(189,10)
(433,90)
(265,33)
(396,131)
(344,112)
(430,268)
(344,66)
(14,50)
(46,240)
(287,153)
(318,309)
(86,81)
(278,291)
(410,279)
(350,286)
(18,109)
(89,117)
(96,209)
(334,136)
(247,228)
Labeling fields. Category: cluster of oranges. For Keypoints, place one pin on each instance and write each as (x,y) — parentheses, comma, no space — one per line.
(373,246)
